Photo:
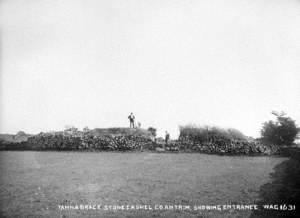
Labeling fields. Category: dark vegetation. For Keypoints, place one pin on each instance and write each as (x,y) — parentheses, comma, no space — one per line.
(283,131)
(284,189)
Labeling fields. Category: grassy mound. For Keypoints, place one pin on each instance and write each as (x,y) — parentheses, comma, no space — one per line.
(209,133)
(120,131)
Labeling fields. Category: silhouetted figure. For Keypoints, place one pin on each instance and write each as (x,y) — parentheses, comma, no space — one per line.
(131,120)
(167,137)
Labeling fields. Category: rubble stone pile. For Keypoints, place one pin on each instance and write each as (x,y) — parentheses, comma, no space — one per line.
(87,142)
(116,139)
(226,147)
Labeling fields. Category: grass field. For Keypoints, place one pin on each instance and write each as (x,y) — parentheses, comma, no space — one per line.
(33,184)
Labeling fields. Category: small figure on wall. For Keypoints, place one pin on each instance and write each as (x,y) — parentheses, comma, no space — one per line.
(131,120)
(167,137)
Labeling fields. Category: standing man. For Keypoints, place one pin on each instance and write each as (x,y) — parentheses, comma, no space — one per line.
(167,137)
(131,120)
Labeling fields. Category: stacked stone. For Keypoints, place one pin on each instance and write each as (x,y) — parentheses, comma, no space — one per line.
(88,142)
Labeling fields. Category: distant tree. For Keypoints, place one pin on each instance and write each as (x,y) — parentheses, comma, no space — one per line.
(283,131)
(152,131)
(21,133)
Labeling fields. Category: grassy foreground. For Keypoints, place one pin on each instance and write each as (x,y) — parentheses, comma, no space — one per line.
(33,184)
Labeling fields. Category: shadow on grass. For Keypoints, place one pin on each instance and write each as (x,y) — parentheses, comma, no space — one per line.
(283,189)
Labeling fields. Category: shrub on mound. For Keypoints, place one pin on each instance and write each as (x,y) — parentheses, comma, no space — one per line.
(209,133)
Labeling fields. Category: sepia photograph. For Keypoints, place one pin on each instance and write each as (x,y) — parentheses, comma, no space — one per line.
(149,108)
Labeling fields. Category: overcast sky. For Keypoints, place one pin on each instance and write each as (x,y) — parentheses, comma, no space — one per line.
(92,62)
